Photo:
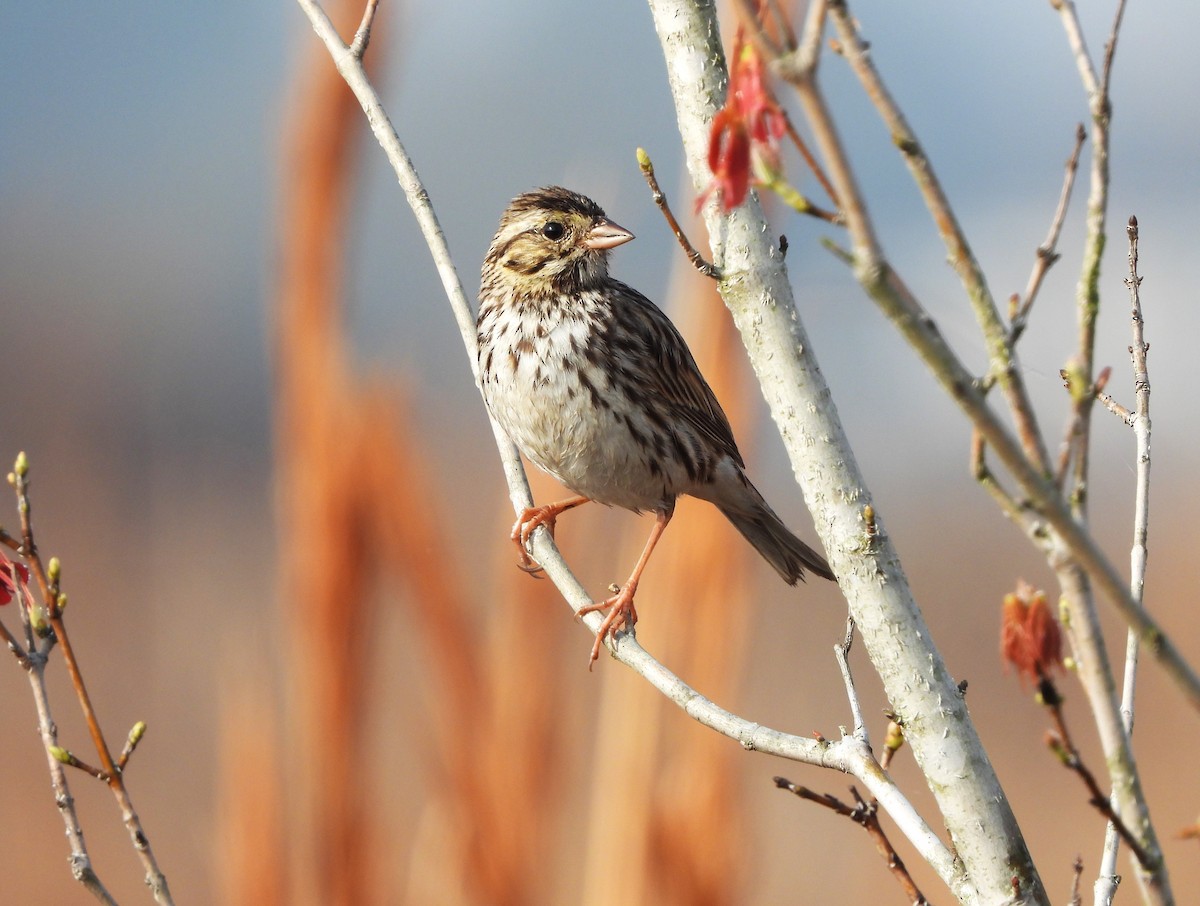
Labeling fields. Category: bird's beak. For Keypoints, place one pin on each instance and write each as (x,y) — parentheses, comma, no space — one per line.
(606,235)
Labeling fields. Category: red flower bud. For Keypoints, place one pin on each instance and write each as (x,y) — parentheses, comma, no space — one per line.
(1030,639)
(745,132)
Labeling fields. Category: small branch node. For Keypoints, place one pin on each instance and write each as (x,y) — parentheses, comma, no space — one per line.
(362,37)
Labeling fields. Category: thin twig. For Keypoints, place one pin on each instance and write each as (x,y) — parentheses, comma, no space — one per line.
(865,815)
(1110,49)
(362,37)
(988,481)
(1046,256)
(35,667)
(783,23)
(1002,359)
(834,216)
(65,756)
(842,652)
(707,268)
(51,596)
(7,637)
(1077,444)
(820,213)
(1076,877)
(1139,420)
(1047,253)
(1083,59)
(131,743)
(1063,746)
(1125,415)
(1095,671)
(1139,352)
(887,289)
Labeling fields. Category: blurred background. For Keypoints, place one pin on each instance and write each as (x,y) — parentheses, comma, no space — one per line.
(257,448)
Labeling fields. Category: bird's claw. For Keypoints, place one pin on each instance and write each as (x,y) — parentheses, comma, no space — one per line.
(522,531)
(621,617)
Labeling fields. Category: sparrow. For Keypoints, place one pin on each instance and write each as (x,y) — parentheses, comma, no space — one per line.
(597,387)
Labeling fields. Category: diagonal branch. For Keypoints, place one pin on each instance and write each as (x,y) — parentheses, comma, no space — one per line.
(1047,253)
(888,291)
(1003,364)
(848,754)
(758,294)
(865,815)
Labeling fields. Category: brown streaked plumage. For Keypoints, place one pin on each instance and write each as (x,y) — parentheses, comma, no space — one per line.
(596,386)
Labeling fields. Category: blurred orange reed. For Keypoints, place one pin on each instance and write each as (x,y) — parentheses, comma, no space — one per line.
(302,814)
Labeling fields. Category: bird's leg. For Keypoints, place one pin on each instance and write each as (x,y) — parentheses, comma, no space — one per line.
(528,522)
(621,612)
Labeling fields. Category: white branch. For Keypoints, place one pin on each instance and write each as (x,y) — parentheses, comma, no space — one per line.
(1108,879)
(756,289)
(849,754)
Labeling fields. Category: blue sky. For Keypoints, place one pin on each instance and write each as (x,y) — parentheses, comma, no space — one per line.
(140,185)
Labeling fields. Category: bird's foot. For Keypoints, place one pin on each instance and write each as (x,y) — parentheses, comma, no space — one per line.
(530,520)
(527,523)
(621,616)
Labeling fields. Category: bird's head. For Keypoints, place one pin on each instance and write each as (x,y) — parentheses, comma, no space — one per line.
(553,239)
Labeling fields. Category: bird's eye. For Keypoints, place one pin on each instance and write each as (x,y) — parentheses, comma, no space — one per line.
(554,230)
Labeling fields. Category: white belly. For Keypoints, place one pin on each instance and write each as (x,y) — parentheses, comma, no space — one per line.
(580,438)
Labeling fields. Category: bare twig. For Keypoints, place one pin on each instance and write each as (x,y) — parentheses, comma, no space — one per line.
(811,160)
(1088,290)
(866,815)
(842,652)
(783,23)
(1141,429)
(1095,671)
(1076,877)
(1064,747)
(70,760)
(1125,415)
(1008,504)
(886,288)
(1003,365)
(34,664)
(362,37)
(1047,253)
(1139,420)
(48,584)
(1116,408)
(7,637)
(707,268)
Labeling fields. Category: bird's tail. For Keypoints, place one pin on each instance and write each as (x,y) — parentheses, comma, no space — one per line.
(788,554)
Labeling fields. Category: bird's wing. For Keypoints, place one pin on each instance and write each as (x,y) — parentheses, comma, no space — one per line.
(677,377)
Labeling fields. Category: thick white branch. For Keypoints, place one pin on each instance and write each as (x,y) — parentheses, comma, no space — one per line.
(757,291)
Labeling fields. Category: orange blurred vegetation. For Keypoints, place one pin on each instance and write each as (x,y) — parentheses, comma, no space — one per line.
(302,817)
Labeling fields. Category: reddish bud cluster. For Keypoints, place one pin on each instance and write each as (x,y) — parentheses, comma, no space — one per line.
(745,132)
(1030,639)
